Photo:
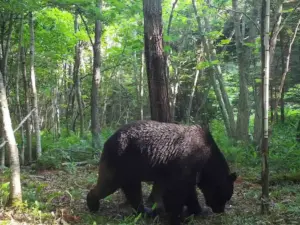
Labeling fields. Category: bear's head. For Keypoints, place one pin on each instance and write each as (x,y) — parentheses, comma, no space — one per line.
(217,194)
(92,201)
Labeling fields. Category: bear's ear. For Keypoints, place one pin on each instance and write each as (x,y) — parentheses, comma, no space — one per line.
(233,176)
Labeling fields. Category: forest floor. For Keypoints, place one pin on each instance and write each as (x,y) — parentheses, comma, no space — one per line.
(58,197)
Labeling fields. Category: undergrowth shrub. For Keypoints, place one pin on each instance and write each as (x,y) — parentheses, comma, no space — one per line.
(69,149)
(284,150)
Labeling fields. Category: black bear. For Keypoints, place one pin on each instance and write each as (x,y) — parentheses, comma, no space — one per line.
(175,157)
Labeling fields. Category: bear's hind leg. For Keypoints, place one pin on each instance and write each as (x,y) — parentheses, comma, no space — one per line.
(107,184)
(133,194)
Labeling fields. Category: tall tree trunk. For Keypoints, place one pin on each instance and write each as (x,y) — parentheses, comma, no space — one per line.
(95,126)
(156,61)
(27,106)
(15,196)
(188,114)
(287,63)
(265,21)
(282,69)
(5,42)
(271,103)
(70,94)
(78,55)
(141,84)
(36,118)
(2,139)
(243,59)
(174,90)
(18,75)
(216,77)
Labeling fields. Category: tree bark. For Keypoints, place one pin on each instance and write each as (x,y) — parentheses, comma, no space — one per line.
(156,61)
(287,63)
(2,138)
(192,96)
(70,94)
(15,196)
(243,59)
(282,67)
(95,123)
(76,77)
(6,47)
(265,42)
(215,75)
(18,75)
(36,118)
(27,105)
(141,84)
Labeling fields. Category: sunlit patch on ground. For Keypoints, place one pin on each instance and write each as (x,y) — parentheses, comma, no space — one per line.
(58,197)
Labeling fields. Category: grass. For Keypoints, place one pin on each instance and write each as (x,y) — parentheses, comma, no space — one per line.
(55,194)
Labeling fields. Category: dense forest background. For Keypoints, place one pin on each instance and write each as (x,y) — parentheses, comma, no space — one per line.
(74,71)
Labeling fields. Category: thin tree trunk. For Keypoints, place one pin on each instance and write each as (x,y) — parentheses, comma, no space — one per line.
(19,65)
(174,89)
(34,90)
(27,106)
(265,21)
(141,84)
(243,59)
(15,196)
(95,126)
(282,67)
(70,105)
(156,61)
(271,103)
(192,96)
(287,63)
(78,55)
(6,48)
(2,139)
(215,75)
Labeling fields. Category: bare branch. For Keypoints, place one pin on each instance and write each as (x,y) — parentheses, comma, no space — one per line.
(287,65)
(18,127)
(86,28)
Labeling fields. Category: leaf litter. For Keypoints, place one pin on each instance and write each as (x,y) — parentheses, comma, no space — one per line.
(59,197)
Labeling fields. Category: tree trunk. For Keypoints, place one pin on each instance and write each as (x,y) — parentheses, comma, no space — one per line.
(192,97)
(34,90)
(282,68)
(298,132)
(5,46)
(27,106)
(215,75)
(18,75)
(141,89)
(174,91)
(156,61)
(271,103)
(15,196)
(2,139)
(95,126)
(70,93)
(287,63)
(76,76)
(243,59)
(265,28)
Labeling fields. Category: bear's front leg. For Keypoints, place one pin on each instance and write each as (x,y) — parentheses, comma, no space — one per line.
(192,202)
(174,197)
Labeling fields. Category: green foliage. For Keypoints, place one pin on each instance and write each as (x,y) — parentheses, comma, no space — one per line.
(68,149)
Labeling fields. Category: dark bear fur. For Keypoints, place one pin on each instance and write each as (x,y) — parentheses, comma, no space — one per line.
(175,157)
